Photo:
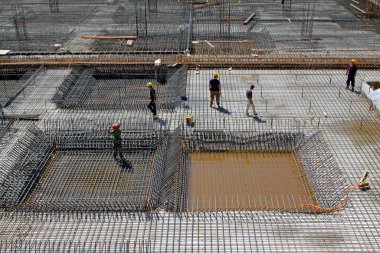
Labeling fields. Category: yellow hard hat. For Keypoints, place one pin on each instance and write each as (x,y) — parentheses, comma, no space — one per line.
(150,85)
(216,74)
(353,60)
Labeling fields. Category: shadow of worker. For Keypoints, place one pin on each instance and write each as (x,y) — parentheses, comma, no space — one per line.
(126,165)
(223,110)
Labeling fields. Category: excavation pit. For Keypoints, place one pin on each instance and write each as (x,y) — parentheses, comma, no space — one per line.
(254,166)
(81,172)
(225,181)
(92,180)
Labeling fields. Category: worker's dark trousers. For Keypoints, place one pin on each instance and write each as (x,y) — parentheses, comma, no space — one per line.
(152,108)
(352,80)
(117,149)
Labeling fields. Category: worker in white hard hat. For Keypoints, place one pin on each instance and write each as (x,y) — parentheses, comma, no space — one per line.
(152,105)
(351,73)
(215,89)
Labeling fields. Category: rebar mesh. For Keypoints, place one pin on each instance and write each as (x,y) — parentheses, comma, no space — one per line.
(233,150)
(24,152)
(347,135)
(203,28)
(88,89)
(82,174)
(11,84)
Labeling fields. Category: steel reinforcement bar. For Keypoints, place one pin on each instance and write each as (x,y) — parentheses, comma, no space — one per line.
(285,61)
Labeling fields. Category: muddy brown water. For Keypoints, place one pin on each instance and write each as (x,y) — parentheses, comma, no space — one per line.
(247,181)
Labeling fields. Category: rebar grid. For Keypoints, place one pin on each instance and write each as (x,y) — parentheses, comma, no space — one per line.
(313,95)
(92,180)
(39,90)
(87,89)
(226,231)
(11,84)
(24,152)
(350,131)
(82,175)
(166,27)
(314,163)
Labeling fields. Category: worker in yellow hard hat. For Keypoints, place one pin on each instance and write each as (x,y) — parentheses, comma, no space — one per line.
(351,73)
(215,89)
(152,105)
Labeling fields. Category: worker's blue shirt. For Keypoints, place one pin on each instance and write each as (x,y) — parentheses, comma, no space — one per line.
(214,84)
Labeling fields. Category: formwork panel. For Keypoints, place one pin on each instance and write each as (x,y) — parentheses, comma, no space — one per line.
(247,181)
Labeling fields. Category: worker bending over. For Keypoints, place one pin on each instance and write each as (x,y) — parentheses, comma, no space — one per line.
(215,88)
(250,104)
(351,73)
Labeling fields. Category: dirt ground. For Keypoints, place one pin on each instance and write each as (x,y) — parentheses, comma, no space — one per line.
(246,181)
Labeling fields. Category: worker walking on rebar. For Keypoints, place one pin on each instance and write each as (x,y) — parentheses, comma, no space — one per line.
(114,129)
(215,90)
(152,105)
(351,73)
(250,103)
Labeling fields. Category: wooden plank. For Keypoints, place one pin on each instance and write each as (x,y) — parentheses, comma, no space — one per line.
(106,37)
(249,18)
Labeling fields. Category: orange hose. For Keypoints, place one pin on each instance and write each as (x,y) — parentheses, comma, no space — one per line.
(340,206)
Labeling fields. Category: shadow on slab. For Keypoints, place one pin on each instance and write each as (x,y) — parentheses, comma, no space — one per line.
(222,110)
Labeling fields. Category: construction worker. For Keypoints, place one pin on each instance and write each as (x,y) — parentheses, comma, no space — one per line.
(215,88)
(114,129)
(152,105)
(351,73)
(250,104)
